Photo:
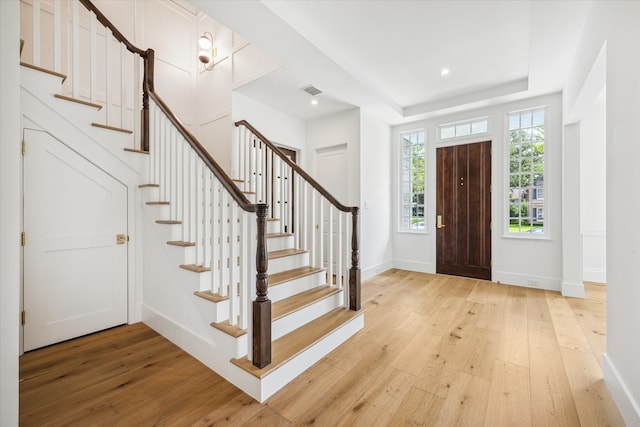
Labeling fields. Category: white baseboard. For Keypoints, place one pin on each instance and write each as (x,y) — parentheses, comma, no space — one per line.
(527,280)
(369,272)
(420,267)
(598,275)
(628,407)
(575,290)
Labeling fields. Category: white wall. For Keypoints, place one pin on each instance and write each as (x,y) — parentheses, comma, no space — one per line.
(593,191)
(331,131)
(375,200)
(10,161)
(614,25)
(280,128)
(512,256)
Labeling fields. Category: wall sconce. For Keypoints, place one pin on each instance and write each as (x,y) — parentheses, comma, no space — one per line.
(207,51)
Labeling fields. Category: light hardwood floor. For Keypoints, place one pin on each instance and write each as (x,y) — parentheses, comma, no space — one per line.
(435,350)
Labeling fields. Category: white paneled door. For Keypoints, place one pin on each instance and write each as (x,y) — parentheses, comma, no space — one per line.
(75,252)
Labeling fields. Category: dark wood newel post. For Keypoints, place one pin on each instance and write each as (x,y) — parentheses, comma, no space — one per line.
(262,304)
(147,86)
(354,272)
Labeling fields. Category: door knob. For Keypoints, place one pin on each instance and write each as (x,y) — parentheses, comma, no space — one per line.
(439,223)
(121,239)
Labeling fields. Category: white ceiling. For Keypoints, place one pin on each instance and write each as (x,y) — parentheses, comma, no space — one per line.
(386,56)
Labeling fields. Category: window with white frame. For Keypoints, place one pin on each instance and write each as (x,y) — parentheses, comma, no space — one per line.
(466,128)
(526,171)
(412,180)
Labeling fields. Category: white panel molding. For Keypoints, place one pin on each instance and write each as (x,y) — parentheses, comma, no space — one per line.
(628,407)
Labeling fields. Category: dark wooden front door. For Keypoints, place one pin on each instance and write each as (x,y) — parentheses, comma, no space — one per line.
(463,209)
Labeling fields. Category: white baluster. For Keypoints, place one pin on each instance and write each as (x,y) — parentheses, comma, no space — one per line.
(339,276)
(93,69)
(207,218)
(123,85)
(36,32)
(199,209)
(233,254)
(108,79)
(57,35)
(224,245)
(330,237)
(216,253)
(75,51)
(245,268)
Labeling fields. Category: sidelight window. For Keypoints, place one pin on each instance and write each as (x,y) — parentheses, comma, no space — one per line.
(412,180)
(526,171)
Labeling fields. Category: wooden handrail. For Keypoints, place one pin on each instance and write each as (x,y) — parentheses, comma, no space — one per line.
(233,189)
(116,33)
(297,168)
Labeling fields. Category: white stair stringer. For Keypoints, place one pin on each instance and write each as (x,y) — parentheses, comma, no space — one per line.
(61,118)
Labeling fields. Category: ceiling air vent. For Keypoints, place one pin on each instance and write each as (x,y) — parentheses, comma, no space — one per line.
(311,90)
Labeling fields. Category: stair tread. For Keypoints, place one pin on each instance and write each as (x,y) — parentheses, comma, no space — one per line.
(227,328)
(288,275)
(168,221)
(287,347)
(286,252)
(133,150)
(195,268)
(44,70)
(180,243)
(303,299)
(208,295)
(274,235)
(117,129)
(237,180)
(159,202)
(148,185)
(78,101)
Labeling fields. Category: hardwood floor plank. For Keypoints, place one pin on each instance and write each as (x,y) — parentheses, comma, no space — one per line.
(509,397)
(418,408)
(435,350)
(380,401)
(513,346)
(551,398)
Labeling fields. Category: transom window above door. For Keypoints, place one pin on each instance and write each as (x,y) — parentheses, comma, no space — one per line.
(465,128)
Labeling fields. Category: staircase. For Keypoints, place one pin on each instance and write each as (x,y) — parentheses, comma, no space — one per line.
(249,275)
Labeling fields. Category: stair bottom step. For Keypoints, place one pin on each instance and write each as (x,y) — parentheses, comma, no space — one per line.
(296,342)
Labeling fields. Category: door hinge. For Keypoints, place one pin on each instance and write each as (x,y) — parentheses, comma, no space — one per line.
(23,319)
(23,238)
(24,147)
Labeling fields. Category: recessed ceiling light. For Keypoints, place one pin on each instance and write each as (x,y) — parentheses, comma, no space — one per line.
(444,72)
(314,101)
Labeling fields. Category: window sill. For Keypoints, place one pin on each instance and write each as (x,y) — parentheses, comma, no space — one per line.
(526,236)
(417,232)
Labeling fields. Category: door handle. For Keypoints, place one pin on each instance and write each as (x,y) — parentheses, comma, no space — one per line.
(121,239)
(439,223)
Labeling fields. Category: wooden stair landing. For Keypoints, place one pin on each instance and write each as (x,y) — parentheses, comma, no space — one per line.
(294,343)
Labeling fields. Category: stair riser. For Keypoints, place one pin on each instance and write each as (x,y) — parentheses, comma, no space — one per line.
(279,243)
(150,194)
(213,311)
(158,211)
(288,262)
(293,287)
(294,320)
(273,227)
